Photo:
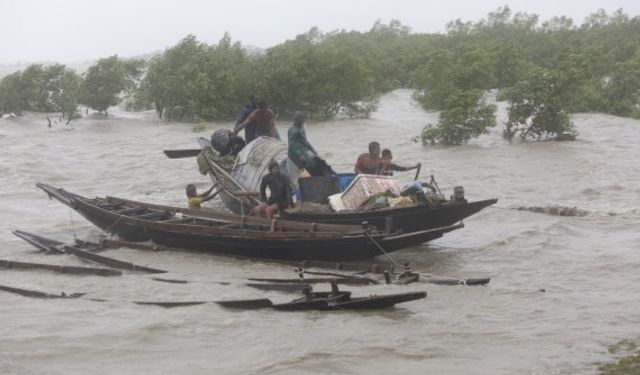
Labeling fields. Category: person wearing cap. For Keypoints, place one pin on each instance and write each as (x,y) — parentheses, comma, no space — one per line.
(281,195)
(263,118)
(248,108)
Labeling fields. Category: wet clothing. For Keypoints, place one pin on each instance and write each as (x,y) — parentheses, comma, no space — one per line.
(280,188)
(250,129)
(367,163)
(195,202)
(300,146)
(389,169)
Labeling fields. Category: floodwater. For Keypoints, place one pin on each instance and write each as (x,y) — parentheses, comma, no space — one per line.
(562,290)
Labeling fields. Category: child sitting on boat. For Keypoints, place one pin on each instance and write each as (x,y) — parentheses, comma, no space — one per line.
(386,167)
(195,200)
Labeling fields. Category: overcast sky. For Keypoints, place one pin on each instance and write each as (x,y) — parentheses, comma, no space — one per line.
(77,30)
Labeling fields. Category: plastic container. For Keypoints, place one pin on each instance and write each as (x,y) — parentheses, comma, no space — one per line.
(345,179)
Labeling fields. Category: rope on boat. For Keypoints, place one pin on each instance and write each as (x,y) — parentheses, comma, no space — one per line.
(108,230)
(73,227)
(382,249)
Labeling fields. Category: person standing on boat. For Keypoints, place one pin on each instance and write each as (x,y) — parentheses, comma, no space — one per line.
(265,120)
(247,109)
(195,200)
(368,163)
(281,194)
(386,167)
(300,151)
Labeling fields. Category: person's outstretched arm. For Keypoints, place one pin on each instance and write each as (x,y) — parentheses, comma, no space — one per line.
(244,123)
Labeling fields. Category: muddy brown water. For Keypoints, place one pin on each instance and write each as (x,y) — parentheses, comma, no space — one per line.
(588,266)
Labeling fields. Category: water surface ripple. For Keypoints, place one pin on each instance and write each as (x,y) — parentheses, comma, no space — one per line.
(587,265)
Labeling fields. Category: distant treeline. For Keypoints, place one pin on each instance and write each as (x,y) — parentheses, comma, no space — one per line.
(544,70)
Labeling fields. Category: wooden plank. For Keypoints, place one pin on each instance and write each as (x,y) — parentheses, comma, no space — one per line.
(338,280)
(60,268)
(153,216)
(130,211)
(109,261)
(177,154)
(37,294)
(40,243)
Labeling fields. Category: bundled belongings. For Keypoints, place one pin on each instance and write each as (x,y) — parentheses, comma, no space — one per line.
(365,187)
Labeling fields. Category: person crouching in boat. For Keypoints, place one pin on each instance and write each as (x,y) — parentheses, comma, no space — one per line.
(195,200)
(281,195)
(386,167)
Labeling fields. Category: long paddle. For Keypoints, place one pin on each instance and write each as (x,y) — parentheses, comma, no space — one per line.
(178,154)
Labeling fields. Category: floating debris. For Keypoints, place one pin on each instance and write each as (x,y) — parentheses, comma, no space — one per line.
(60,268)
(555,210)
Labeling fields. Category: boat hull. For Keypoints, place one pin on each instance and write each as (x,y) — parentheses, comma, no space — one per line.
(408,219)
(294,245)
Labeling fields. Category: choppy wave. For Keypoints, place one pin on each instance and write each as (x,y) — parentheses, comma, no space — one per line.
(567,223)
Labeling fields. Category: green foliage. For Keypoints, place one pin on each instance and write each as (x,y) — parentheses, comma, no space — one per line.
(107,80)
(546,70)
(628,364)
(12,96)
(67,95)
(621,89)
(194,80)
(447,72)
(319,79)
(54,88)
(466,115)
(537,107)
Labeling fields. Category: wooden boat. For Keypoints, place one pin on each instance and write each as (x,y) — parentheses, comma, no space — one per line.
(251,165)
(211,231)
(407,219)
(333,300)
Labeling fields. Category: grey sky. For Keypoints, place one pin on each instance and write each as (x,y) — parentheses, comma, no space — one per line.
(76,30)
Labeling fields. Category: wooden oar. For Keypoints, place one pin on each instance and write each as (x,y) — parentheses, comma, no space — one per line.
(178,154)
